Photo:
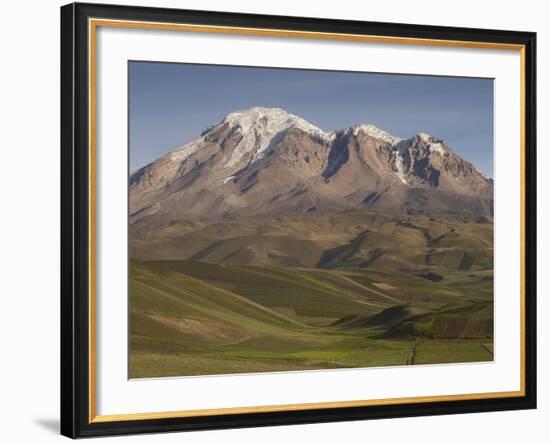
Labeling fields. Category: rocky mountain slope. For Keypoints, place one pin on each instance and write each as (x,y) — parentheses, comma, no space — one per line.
(266,161)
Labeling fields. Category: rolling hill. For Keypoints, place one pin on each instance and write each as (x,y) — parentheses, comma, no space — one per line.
(190,318)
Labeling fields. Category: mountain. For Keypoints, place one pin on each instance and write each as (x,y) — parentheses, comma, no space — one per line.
(268,244)
(266,161)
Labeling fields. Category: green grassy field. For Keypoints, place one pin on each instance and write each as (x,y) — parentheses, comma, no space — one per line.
(209,315)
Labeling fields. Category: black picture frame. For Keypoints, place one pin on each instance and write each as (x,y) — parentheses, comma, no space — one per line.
(75,219)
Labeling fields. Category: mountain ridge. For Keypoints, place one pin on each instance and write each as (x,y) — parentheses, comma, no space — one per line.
(266,160)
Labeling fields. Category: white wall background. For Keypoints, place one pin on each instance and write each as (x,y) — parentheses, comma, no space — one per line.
(29,220)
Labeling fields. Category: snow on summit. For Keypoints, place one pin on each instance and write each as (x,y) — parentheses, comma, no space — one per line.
(260,126)
(250,149)
(268,119)
(434,145)
(373,131)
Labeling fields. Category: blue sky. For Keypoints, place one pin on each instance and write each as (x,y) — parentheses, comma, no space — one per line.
(171,103)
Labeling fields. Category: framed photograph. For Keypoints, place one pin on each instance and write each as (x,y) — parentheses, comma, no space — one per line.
(279,220)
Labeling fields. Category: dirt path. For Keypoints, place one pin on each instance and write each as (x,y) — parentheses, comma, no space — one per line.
(412,354)
(487,348)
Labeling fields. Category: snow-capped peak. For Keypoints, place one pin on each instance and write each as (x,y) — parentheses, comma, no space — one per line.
(424,136)
(270,119)
(375,132)
(260,127)
(434,144)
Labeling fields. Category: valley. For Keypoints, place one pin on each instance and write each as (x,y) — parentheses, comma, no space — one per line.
(310,292)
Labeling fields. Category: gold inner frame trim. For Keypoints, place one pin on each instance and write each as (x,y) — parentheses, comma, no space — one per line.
(93,24)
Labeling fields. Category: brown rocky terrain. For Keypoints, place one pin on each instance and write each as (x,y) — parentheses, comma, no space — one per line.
(268,162)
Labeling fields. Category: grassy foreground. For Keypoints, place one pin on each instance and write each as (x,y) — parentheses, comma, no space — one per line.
(196,318)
